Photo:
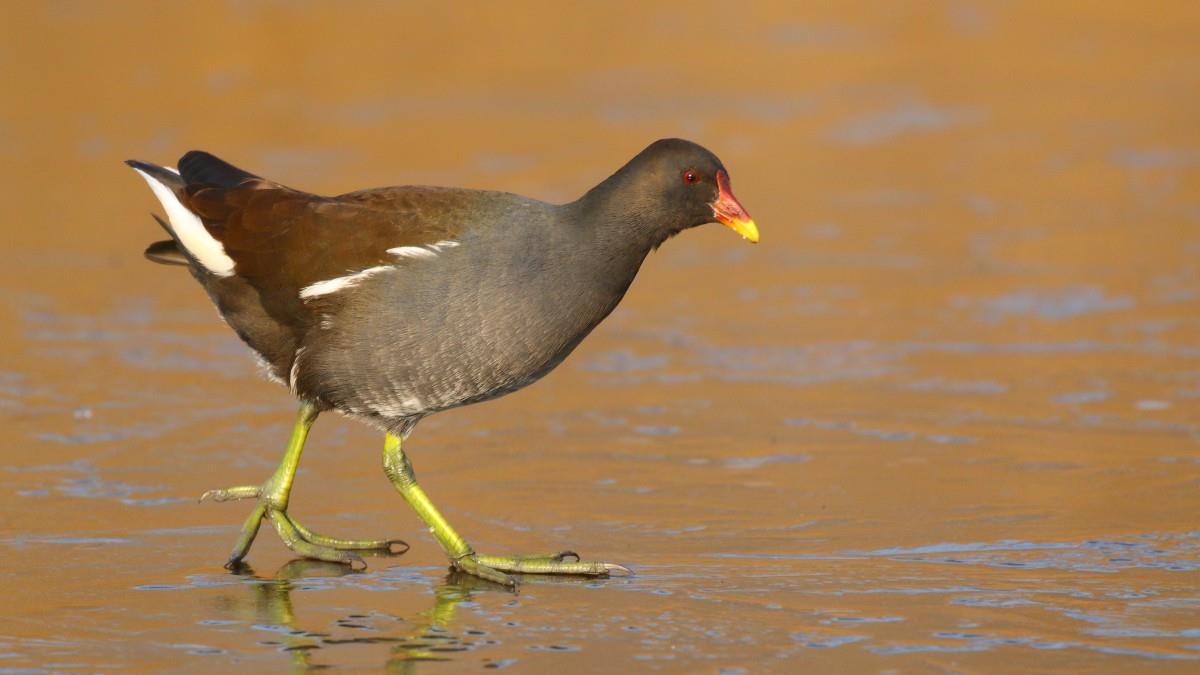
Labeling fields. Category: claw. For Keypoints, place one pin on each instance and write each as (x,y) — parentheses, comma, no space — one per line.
(239,567)
(620,570)
(232,494)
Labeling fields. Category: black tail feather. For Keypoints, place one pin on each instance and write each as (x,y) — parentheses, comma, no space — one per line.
(166,252)
(198,166)
(161,174)
(163,224)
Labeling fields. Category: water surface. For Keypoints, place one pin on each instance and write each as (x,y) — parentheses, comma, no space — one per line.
(944,417)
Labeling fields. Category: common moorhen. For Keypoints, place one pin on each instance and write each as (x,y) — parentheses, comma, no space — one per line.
(395,303)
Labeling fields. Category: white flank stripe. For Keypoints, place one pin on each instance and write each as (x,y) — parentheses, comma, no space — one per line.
(428,251)
(409,406)
(190,231)
(295,369)
(265,368)
(334,285)
(412,252)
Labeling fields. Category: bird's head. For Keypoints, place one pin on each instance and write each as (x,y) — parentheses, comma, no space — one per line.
(676,184)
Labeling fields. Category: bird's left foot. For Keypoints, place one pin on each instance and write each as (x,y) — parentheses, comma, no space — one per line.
(462,558)
(295,536)
(493,568)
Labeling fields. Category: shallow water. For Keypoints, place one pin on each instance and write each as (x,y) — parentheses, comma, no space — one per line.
(944,417)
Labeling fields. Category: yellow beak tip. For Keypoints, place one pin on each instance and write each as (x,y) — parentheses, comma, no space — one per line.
(747,229)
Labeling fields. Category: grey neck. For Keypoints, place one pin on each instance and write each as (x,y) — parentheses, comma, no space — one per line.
(618,218)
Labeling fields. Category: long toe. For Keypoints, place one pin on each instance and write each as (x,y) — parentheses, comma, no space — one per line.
(471,565)
(554,564)
(370,546)
(232,494)
(298,544)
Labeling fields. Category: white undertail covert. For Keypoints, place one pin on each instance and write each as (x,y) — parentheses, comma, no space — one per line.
(189,231)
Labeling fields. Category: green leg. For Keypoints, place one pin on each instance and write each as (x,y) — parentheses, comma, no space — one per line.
(272,505)
(462,556)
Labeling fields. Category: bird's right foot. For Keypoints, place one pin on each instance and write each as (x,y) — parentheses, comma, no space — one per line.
(299,539)
(494,567)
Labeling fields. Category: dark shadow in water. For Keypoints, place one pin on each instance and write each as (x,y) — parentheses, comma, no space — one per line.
(426,636)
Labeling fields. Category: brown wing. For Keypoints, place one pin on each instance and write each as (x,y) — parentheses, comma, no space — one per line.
(283,240)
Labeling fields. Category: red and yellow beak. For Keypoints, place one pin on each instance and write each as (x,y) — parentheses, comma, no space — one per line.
(729,211)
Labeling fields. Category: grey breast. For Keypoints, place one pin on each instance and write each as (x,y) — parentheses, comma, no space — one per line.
(479,320)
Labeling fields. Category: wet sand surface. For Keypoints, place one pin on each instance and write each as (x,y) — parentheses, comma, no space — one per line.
(945,417)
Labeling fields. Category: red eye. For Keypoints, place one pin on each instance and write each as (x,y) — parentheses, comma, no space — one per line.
(690,176)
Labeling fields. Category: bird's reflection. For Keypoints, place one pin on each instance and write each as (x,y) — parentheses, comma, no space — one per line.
(428,636)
